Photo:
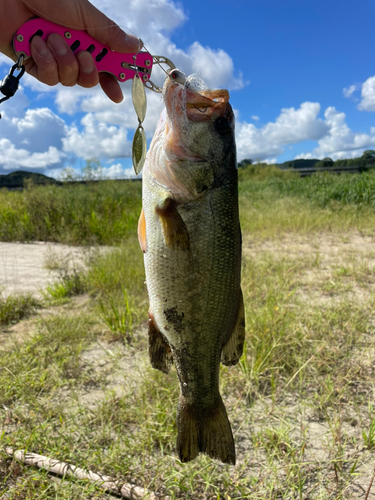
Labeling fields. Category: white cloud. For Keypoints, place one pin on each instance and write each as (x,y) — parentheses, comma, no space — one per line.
(33,140)
(141,18)
(37,130)
(117,172)
(14,107)
(12,158)
(340,141)
(290,127)
(37,86)
(68,99)
(255,118)
(349,91)
(368,95)
(97,140)
(216,67)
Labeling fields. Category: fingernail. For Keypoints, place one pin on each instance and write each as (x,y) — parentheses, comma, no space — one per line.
(86,62)
(41,47)
(134,42)
(57,44)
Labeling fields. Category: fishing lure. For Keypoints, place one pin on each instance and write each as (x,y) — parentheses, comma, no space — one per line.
(136,67)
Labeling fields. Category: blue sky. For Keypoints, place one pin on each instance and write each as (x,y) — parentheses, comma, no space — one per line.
(300,76)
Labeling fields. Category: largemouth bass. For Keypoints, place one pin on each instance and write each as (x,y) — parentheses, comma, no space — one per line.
(190,234)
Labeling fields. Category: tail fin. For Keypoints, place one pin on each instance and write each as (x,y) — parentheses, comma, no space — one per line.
(208,432)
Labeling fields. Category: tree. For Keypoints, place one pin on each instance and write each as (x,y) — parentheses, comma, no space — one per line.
(245,163)
(92,171)
(369,153)
(68,174)
(368,157)
(326,162)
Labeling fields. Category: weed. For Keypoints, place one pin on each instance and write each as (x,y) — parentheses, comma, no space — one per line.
(118,317)
(369,435)
(71,282)
(16,307)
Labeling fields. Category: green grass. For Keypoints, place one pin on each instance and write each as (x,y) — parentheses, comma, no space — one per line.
(16,307)
(106,213)
(281,204)
(101,213)
(117,316)
(81,389)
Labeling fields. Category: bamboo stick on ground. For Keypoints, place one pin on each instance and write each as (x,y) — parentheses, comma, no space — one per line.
(126,490)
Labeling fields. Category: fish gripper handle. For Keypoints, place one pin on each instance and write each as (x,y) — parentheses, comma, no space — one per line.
(122,66)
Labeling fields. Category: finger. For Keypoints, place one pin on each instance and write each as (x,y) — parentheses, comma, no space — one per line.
(88,74)
(67,63)
(116,38)
(81,14)
(46,67)
(111,87)
(106,31)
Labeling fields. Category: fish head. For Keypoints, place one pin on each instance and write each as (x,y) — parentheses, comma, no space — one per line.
(199,123)
(194,138)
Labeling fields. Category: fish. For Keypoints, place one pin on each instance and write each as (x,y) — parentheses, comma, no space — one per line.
(189,231)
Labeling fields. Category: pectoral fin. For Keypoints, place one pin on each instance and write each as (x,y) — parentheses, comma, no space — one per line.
(232,351)
(175,231)
(142,232)
(158,348)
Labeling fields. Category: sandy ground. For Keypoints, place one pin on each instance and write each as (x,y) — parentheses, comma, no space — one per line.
(23,266)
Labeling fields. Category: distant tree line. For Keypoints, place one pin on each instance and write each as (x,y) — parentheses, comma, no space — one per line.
(366,160)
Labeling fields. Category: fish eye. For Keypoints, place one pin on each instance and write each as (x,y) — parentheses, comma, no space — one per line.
(201,110)
(222,125)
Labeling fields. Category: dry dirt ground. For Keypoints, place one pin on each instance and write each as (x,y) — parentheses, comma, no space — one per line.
(23,266)
(23,269)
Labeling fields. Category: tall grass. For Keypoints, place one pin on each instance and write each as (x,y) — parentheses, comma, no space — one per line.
(100,213)
(272,202)
(106,213)
(323,189)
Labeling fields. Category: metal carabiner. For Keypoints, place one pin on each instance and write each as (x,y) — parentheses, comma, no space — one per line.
(159,60)
(9,86)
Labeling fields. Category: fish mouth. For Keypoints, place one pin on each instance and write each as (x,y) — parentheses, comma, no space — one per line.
(197,106)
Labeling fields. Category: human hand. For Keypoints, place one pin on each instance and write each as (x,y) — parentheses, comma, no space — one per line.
(54,62)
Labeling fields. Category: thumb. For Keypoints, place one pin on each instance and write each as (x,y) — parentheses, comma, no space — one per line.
(106,31)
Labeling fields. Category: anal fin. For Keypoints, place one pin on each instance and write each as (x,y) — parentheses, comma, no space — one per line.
(158,348)
(232,351)
(176,234)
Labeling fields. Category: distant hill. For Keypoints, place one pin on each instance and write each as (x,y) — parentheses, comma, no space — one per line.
(17,179)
